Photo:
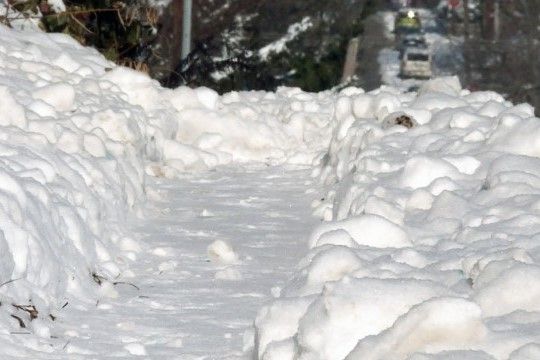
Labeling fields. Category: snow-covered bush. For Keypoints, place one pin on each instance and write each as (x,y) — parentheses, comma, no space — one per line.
(430,249)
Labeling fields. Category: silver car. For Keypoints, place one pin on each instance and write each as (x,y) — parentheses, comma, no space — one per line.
(416,63)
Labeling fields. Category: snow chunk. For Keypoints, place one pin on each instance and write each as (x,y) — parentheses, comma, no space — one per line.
(280,350)
(41,329)
(336,237)
(140,89)
(278,321)
(12,111)
(368,230)
(136,349)
(60,96)
(221,252)
(421,171)
(228,274)
(353,309)
(465,164)
(331,265)
(517,136)
(510,289)
(207,97)
(42,109)
(205,213)
(66,62)
(435,325)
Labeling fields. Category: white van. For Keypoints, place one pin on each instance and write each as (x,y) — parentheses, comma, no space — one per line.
(416,63)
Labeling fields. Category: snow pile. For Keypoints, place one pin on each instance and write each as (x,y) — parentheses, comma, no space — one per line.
(286,126)
(196,129)
(70,169)
(431,246)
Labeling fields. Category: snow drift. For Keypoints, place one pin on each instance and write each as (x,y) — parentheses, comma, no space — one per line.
(430,246)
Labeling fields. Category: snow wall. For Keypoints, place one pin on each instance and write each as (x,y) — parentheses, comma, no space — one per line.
(78,137)
(431,245)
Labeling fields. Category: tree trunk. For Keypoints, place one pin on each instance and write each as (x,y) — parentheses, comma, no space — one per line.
(166,51)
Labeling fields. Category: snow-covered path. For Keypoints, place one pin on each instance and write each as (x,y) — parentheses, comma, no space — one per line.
(181,310)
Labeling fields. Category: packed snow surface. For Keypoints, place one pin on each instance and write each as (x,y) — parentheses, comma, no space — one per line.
(135,224)
(177,302)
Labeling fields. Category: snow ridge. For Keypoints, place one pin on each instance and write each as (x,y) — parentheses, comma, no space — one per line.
(69,172)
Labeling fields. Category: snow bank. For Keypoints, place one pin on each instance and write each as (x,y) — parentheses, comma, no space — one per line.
(286,126)
(70,170)
(430,246)
(196,129)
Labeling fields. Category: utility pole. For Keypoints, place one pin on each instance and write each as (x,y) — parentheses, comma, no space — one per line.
(466,24)
(186,29)
(496,21)
(350,65)
(466,33)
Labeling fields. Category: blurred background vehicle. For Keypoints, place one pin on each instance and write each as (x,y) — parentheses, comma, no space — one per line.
(416,63)
(415,40)
(407,22)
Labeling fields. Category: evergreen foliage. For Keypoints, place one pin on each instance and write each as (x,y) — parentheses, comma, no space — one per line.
(313,60)
(228,36)
(121,30)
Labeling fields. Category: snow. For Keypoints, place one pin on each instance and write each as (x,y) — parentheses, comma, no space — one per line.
(421,171)
(63,208)
(438,324)
(138,221)
(60,96)
(175,302)
(79,138)
(221,252)
(57,5)
(429,246)
(369,230)
(280,45)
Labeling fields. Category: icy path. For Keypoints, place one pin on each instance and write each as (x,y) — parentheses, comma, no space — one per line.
(181,310)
